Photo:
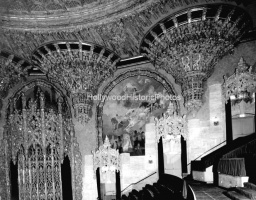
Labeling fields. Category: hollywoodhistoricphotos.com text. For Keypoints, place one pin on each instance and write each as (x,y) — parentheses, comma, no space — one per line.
(138,97)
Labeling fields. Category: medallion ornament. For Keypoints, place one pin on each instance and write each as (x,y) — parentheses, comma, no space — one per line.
(188,44)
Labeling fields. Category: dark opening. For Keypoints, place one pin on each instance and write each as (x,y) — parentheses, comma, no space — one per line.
(196,14)
(160,158)
(14,181)
(66,179)
(184,155)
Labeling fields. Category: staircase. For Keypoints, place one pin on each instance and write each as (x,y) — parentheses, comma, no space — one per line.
(168,187)
(212,158)
(242,193)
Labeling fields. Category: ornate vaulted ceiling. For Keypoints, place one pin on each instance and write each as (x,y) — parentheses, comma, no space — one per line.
(118,25)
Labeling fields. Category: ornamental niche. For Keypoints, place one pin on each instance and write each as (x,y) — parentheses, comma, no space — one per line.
(79,68)
(188,44)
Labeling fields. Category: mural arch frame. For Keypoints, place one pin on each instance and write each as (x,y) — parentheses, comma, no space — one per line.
(73,152)
(160,78)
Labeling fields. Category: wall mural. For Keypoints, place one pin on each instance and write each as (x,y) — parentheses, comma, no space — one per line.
(128,107)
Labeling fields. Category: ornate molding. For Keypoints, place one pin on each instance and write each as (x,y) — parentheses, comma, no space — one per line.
(188,45)
(79,68)
(241,84)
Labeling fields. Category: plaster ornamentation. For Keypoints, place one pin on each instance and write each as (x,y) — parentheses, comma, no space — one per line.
(171,126)
(119,29)
(108,160)
(241,84)
(80,72)
(34,129)
(191,42)
(12,72)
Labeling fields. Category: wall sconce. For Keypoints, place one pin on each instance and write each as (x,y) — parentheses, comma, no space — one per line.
(216,121)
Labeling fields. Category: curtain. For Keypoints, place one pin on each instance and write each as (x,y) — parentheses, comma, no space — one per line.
(232,166)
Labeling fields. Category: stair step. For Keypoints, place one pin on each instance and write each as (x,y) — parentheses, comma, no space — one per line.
(235,196)
(250,185)
(248,192)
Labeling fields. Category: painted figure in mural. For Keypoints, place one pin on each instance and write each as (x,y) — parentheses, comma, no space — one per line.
(138,150)
(127,144)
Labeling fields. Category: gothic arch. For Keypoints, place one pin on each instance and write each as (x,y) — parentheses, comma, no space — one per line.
(122,76)
(70,145)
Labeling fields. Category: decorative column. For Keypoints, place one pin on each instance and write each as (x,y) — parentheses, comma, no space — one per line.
(187,45)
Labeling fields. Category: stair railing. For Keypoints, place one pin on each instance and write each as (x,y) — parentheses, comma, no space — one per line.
(132,184)
(208,151)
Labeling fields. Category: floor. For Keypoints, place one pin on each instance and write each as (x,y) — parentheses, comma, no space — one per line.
(207,191)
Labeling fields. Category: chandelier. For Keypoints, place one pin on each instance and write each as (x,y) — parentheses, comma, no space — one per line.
(108,160)
(188,45)
(241,84)
(171,125)
(80,69)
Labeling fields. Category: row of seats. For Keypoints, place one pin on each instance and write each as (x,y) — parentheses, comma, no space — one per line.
(163,189)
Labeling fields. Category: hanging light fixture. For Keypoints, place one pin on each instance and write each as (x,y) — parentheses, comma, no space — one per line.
(171,125)
(242,84)
(78,68)
(108,160)
(188,45)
